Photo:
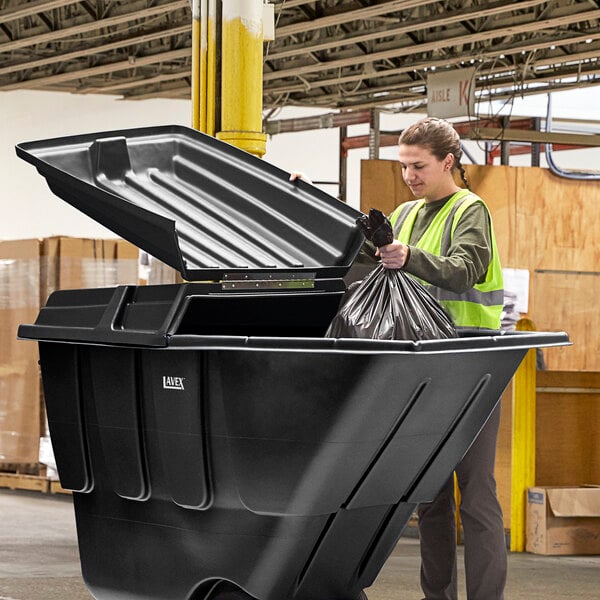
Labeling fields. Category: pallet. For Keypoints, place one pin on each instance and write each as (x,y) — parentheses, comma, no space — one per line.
(56,488)
(30,478)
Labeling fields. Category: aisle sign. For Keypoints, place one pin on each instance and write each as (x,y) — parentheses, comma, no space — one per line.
(451,93)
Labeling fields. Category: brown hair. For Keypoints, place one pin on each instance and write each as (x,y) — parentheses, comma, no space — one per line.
(439,137)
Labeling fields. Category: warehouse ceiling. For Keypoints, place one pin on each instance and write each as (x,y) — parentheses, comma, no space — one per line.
(335,54)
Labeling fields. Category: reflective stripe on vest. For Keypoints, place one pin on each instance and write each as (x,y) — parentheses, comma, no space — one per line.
(482,305)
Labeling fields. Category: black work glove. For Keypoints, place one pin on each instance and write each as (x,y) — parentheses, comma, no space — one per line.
(376,227)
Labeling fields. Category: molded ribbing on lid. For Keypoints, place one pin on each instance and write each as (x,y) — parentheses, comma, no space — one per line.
(228,238)
(253,241)
(294,226)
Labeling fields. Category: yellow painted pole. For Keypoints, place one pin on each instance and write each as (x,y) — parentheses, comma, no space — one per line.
(241,75)
(457,510)
(211,66)
(199,65)
(523,441)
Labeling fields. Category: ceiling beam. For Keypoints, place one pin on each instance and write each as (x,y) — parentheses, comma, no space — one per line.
(176,93)
(410,27)
(551,87)
(533,137)
(576,73)
(291,3)
(99,70)
(413,99)
(491,90)
(460,40)
(419,66)
(576,56)
(66,56)
(6,30)
(346,16)
(134,83)
(33,8)
(138,15)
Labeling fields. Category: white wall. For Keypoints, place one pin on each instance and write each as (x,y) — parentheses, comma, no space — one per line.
(29,209)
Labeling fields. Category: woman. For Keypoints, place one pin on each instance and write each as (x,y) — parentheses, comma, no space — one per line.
(446,240)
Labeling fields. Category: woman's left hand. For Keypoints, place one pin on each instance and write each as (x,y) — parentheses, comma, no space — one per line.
(394,255)
(299,175)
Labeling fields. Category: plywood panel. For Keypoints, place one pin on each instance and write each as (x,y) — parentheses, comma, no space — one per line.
(568,428)
(567,433)
(381,186)
(496,186)
(568,301)
(558,221)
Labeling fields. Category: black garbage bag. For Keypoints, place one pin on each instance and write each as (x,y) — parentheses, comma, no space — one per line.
(388,304)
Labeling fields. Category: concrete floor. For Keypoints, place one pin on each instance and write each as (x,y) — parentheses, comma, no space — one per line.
(39,560)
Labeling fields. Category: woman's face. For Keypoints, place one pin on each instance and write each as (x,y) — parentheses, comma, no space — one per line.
(426,176)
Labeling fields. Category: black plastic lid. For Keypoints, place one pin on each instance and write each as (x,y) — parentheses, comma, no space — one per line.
(200,205)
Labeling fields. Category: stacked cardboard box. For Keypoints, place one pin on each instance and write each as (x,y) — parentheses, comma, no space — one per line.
(19,379)
(73,263)
(30,270)
(156,272)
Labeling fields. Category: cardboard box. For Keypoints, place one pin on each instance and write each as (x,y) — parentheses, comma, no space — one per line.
(76,263)
(563,520)
(30,270)
(158,273)
(20,417)
(125,259)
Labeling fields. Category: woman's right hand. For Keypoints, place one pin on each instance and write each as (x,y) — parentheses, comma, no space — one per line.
(394,255)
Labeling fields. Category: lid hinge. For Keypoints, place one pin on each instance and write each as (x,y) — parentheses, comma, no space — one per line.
(268,281)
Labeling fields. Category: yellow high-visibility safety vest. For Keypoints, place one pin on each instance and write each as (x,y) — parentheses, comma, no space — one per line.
(479,307)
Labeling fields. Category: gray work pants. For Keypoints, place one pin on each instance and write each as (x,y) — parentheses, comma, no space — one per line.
(483,527)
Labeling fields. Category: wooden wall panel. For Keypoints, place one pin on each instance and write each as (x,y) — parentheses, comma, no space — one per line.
(568,301)
(495,185)
(381,186)
(568,428)
(545,224)
(558,221)
(567,433)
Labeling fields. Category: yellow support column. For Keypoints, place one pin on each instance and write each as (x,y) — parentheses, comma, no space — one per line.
(523,441)
(211,66)
(241,75)
(457,510)
(199,49)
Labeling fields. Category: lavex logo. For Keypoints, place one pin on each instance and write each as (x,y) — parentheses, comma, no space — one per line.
(173,383)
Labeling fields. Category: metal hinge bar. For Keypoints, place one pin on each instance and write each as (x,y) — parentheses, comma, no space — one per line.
(268,281)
